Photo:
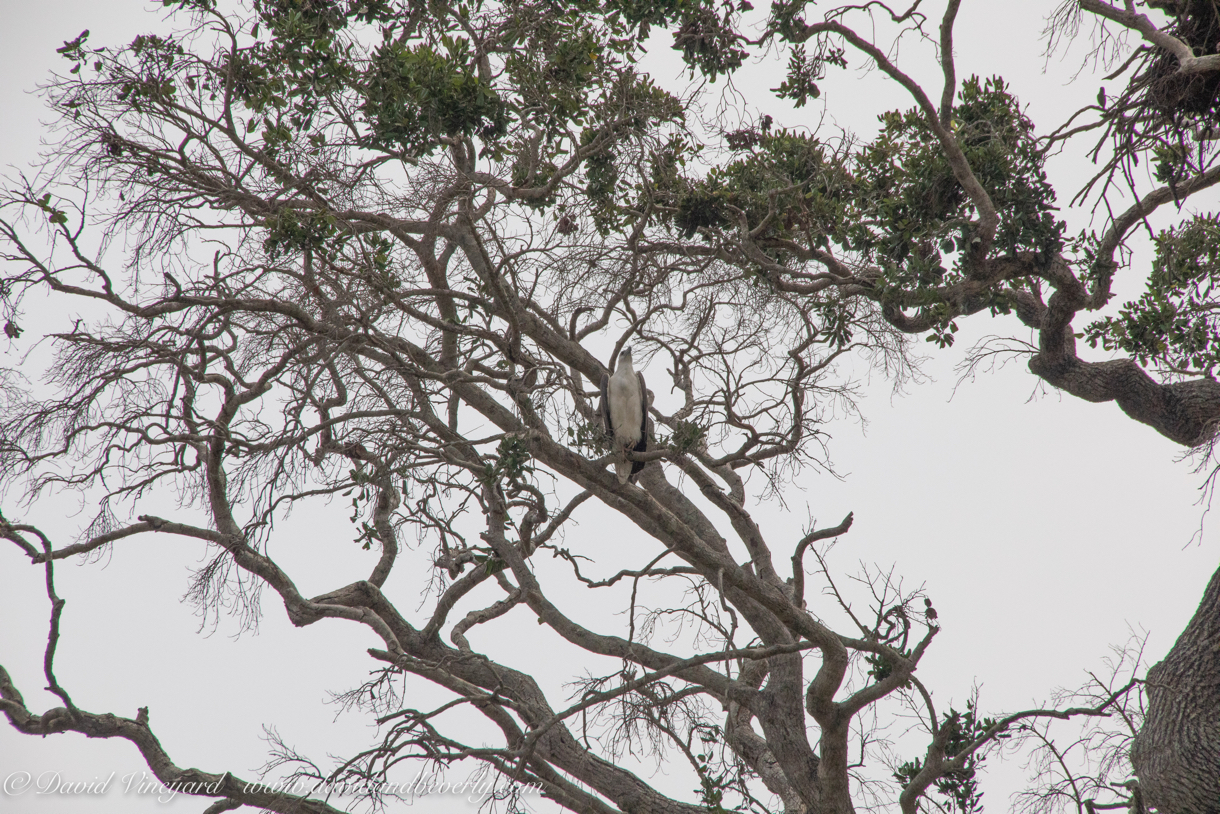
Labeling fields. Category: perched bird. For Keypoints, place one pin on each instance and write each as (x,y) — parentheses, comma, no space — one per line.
(624,410)
(929,612)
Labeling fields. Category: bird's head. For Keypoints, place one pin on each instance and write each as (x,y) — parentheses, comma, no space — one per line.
(625,354)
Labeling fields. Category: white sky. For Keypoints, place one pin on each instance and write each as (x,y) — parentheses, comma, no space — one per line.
(1045,529)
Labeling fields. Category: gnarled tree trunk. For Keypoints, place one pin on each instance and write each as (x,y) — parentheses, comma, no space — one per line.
(1176,754)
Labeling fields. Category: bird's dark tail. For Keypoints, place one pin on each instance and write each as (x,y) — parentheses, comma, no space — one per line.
(640,446)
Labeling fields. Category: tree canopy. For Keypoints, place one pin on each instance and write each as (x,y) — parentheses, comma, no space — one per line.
(374,258)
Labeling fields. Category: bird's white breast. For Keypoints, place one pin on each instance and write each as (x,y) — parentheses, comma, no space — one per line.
(625,408)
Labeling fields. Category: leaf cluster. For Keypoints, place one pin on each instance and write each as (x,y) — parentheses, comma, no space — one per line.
(804,72)
(1173,324)
(914,206)
(414,95)
(708,41)
(511,463)
(789,183)
(958,786)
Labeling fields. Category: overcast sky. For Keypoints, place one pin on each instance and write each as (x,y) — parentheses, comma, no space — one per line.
(1045,529)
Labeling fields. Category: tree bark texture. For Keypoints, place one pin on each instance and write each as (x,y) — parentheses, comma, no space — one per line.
(1184,412)
(1176,754)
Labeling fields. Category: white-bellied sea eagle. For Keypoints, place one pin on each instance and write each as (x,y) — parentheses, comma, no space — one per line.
(624,409)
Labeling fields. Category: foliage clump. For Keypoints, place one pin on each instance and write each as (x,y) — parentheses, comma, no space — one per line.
(959,787)
(1173,324)
(784,184)
(416,94)
(914,208)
